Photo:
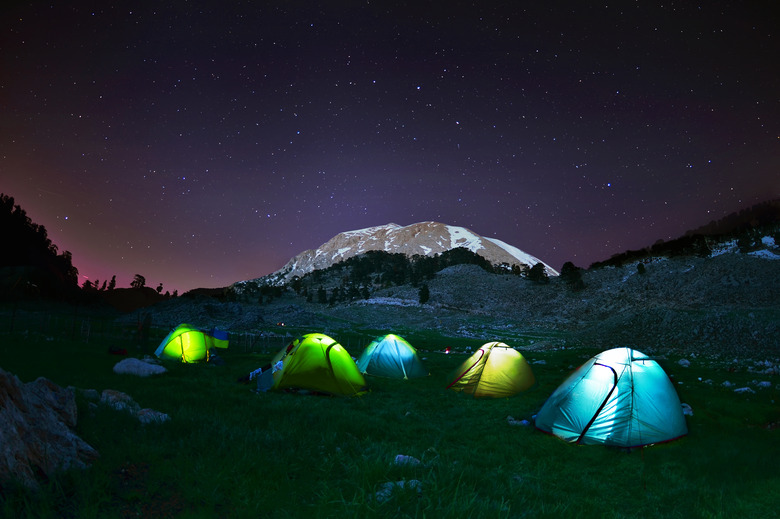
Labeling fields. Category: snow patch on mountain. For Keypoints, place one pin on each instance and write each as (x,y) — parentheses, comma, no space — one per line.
(424,238)
(524,257)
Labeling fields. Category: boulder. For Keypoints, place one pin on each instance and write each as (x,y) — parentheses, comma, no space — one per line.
(119,401)
(36,436)
(147,415)
(387,489)
(137,367)
(124,402)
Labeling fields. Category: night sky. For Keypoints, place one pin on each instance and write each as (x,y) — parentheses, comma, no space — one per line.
(203,143)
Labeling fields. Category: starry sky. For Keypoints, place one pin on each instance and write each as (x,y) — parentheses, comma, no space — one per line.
(199,143)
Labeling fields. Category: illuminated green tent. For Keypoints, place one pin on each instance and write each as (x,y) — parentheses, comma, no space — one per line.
(620,397)
(190,344)
(494,370)
(316,362)
(391,356)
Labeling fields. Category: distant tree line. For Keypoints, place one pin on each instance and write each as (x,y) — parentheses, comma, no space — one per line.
(88,285)
(747,227)
(32,266)
(736,224)
(138,283)
(694,245)
(359,275)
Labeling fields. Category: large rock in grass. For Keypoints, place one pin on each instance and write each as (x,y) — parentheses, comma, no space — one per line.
(36,430)
(141,368)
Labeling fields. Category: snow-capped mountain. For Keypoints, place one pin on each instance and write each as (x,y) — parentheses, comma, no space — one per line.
(424,238)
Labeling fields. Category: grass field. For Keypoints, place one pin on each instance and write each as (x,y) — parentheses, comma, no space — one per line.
(230,452)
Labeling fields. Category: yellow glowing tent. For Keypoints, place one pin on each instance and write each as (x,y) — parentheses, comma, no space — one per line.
(190,344)
(316,362)
(494,371)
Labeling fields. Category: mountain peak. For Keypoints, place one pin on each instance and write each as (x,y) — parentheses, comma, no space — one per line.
(423,238)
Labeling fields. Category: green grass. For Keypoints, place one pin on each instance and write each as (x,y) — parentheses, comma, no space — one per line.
(230,452)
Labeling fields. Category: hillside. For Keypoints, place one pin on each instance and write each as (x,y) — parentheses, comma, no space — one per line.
(725,305)
(760,215)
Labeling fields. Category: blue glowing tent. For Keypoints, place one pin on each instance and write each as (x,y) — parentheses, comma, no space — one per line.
(620,397)
(391,356)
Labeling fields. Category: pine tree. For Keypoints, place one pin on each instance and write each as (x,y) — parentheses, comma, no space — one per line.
(572,276)
(424,293)
(138,281)
(537,274)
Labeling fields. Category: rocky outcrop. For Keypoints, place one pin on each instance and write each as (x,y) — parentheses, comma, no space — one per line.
(124,402)
(36,430)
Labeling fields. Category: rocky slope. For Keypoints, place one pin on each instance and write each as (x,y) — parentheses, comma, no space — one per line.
(726,305)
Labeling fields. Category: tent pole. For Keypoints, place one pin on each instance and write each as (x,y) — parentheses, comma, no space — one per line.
(598,411)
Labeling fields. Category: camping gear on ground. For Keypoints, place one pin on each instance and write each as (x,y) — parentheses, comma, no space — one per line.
(190,344)
(212,357)
(263,377)
(391,356)
(620,397)
(494,370)
(316,362)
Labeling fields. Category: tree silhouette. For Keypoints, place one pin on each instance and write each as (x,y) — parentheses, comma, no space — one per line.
(353,292)
(27,245)
(572,276)
(537,274)
(138,281)
(424,293)
(335,296)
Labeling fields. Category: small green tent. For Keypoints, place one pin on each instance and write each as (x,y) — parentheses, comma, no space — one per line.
(494,370)
(316,362)
(620,397)
(190,344)
(391,356)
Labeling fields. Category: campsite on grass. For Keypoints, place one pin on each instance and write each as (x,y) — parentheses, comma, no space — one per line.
(399,447)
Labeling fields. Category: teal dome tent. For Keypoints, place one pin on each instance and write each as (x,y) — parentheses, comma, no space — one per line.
(391,356)
(620,397)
